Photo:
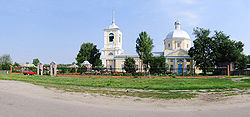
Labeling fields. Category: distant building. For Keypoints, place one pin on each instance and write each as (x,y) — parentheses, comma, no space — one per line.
(248,66)
(27,65)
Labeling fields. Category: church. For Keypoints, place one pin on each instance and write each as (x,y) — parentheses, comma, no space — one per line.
(177,43)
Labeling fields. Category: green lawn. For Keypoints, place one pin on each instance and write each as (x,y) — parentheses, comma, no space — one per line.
(134,83)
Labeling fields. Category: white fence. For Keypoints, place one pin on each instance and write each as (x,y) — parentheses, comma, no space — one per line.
(5,71)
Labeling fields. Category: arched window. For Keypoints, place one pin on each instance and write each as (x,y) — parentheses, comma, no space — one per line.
(111,37)
(169,45)
(111,54)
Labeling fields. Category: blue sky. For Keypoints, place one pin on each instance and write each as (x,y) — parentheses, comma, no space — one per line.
(53,30)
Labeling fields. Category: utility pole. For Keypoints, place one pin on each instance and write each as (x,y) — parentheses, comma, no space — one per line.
(141,61)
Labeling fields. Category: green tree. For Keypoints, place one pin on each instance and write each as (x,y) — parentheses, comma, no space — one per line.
(144,46)
(248,59)
(5,62)
(35,61)
(158,65)
(202,52)
(226,51)
(16,64)
(241,62)
(129,65)
(89,52)
(82,69)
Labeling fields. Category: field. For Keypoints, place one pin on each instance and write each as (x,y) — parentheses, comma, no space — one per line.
(163,88)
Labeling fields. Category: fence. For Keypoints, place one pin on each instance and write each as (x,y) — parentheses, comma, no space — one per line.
(240,72)
(148,71)
(5,71)
(156,71)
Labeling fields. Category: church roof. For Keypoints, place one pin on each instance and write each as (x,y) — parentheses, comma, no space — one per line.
(135,55)
(124,55)
(158,54)
(113,26)
(179,52)
(86,63)
(178,33)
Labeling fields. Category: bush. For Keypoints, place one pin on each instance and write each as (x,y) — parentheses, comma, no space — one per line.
(127,74)
(81,69)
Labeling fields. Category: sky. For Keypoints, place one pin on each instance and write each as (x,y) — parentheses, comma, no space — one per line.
(54,30)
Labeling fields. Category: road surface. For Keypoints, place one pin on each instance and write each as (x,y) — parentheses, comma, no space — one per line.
(18,99)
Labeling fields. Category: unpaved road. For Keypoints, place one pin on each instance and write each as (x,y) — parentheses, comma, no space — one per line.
(18,99)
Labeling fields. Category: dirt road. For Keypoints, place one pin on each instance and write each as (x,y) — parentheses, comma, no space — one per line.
(28,100)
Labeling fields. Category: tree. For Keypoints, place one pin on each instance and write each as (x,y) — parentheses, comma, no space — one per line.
(158,65)
(248,59)
(202,52)
(89,52)
(82,69)
(241,62)
(129,65)
(144,46)
(16,64)
(35,61)
(5,62)
(226,51)
(218,50)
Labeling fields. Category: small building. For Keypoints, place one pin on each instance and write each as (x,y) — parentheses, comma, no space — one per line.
(248,66)
(88,65)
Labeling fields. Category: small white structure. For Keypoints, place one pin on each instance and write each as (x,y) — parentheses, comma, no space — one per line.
(73,66)
(88,65)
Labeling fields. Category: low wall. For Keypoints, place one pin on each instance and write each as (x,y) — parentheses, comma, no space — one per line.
(5,71)
(138,76)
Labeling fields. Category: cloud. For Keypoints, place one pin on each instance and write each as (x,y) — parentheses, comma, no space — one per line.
(188,1)
(183,10)
(190,17)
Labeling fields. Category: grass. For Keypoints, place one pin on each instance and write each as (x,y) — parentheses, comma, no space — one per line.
(120,93)
(160,86)
(134,83)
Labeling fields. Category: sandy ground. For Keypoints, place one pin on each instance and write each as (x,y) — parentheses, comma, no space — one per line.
(28,100)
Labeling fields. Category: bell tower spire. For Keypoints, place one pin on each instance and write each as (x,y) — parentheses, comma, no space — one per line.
(113,21)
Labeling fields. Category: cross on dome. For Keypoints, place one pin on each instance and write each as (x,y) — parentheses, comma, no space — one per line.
(177,25)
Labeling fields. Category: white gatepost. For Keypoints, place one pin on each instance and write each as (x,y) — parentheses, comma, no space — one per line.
(53,66)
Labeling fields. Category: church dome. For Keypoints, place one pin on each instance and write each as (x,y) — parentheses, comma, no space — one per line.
(178,33)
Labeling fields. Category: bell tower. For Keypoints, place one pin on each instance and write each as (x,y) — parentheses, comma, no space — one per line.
(112,42)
